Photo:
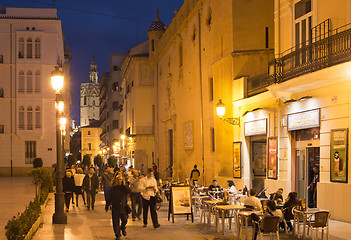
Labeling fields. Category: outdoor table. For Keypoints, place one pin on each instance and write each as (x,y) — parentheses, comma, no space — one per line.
(246,215)
(222,209)
(210,204)
(305,214)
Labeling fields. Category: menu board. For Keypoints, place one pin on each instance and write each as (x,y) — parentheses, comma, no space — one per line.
(338,155)
(272,157)
(181,200)
(237,159)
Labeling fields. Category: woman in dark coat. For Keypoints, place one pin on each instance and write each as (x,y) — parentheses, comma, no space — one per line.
(288,206)
(68,188)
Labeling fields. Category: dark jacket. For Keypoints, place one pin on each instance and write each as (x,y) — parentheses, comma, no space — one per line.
(106,179)
(94,183)
(118,197)
(68,184)
(287,209)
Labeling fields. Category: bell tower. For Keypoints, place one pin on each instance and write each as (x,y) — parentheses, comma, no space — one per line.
(155,33)
(93,73)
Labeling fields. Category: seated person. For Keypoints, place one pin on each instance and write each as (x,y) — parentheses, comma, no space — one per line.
(291,202)
(253,201)
(214,187)
(232,188)
(277,196)
(272,211)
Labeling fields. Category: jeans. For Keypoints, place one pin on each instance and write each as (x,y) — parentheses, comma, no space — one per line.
(91,198)
(106,192)
(117,216)
(152,204)
(68,196)
(135,197)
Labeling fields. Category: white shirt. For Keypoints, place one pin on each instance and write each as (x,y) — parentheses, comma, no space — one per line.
(253,201)
(148,182)
(78,179)
(233,190)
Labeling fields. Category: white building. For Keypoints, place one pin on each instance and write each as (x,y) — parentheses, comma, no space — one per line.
(31,44)
(89,97)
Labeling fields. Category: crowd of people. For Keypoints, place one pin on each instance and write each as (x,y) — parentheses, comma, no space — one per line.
(117,184)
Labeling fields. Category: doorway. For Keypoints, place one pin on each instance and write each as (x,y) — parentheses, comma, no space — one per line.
(258,166)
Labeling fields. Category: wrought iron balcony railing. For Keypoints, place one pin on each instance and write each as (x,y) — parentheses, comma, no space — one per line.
(326,48)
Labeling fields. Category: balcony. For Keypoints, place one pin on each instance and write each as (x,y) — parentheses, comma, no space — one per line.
(326,48)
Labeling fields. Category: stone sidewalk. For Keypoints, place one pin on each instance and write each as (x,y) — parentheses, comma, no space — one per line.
(97,224)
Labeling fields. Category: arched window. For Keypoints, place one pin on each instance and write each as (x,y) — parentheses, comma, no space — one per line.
(29,82)
(21,48)
(29,48)
(37,48)
(85,100)
(21,117)
(21,82)
(37,87)
(37,117)
(29,118)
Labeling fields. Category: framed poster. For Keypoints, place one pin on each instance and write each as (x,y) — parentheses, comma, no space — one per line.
(338,155)
(181,200)
(273,157)
(237,159)
(188,135)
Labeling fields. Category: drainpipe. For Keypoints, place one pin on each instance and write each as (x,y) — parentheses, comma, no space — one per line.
(11,102)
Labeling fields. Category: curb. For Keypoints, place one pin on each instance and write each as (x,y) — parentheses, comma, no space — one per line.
(40,219)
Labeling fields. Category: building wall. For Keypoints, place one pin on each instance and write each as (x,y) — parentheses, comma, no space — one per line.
(93,139)
(12,142)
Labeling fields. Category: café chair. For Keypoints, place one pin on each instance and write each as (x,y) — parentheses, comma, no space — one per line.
(204,209)
(321,221)
(270,226)
(298,221)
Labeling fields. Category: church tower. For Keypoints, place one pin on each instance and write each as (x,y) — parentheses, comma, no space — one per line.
(89,97)
(155,33)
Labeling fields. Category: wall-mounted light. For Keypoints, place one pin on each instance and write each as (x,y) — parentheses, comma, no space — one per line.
(220,108)
(304,98)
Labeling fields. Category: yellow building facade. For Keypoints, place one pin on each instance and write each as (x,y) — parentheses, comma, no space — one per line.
(91,140)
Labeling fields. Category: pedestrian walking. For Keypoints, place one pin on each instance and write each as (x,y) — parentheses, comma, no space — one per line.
(120,209)
(135,196)
(78,182)
(106,179)
(68,188)
(148,186)
(91,186)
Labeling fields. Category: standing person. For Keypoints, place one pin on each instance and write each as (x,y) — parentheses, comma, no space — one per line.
(68,188)
(120,209)
(86,170)
(148,186)
(195,174)
(135,195)
(91,186)
(154,168)
(106,179)
(313,187)
(78,182)
(73,171)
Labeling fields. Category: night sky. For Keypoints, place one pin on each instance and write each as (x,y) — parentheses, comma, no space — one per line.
(99,28)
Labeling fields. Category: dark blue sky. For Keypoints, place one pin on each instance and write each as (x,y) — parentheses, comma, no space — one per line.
(117,26)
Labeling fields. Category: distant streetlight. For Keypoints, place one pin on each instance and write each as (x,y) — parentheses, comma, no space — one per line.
(57,79)
(220,108)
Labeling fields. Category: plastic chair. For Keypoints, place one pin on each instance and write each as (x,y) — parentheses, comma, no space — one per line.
(204,209)
(321,221)
(270,226)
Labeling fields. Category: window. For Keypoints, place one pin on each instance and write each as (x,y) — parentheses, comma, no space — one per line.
(37,117)
(210,87)
(88,132)
(29,82)
(37,48)
(21,48)
(29,118)
(115,68)
(114,86)
(180,55)
(31,151)
(21,82)
(89,146)
(115,124)
(303,7)
(152,45)
(29,48)
(37,87)
(1,58)
(21,117)
(2,128)
(115,105)
(213,139)
(1,92)
(85,100)
(267,32)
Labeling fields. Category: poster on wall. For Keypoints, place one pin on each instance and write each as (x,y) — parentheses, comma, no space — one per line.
(338,155)
(259,158)
(188,135)
(237,159)
(181,202)
(273,157)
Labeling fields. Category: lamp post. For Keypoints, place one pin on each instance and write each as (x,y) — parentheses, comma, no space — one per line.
(220,108)
(57,78)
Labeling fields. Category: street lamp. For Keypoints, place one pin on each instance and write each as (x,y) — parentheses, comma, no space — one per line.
(220,108)
(57,79)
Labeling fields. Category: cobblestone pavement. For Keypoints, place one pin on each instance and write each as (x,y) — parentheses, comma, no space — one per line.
(16,192)
(97,224)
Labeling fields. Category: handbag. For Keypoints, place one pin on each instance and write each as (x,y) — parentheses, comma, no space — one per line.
(158,198)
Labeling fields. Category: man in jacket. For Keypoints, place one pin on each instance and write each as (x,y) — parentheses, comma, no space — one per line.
(120,209)
(91,186)
(106,179)
(135,196)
